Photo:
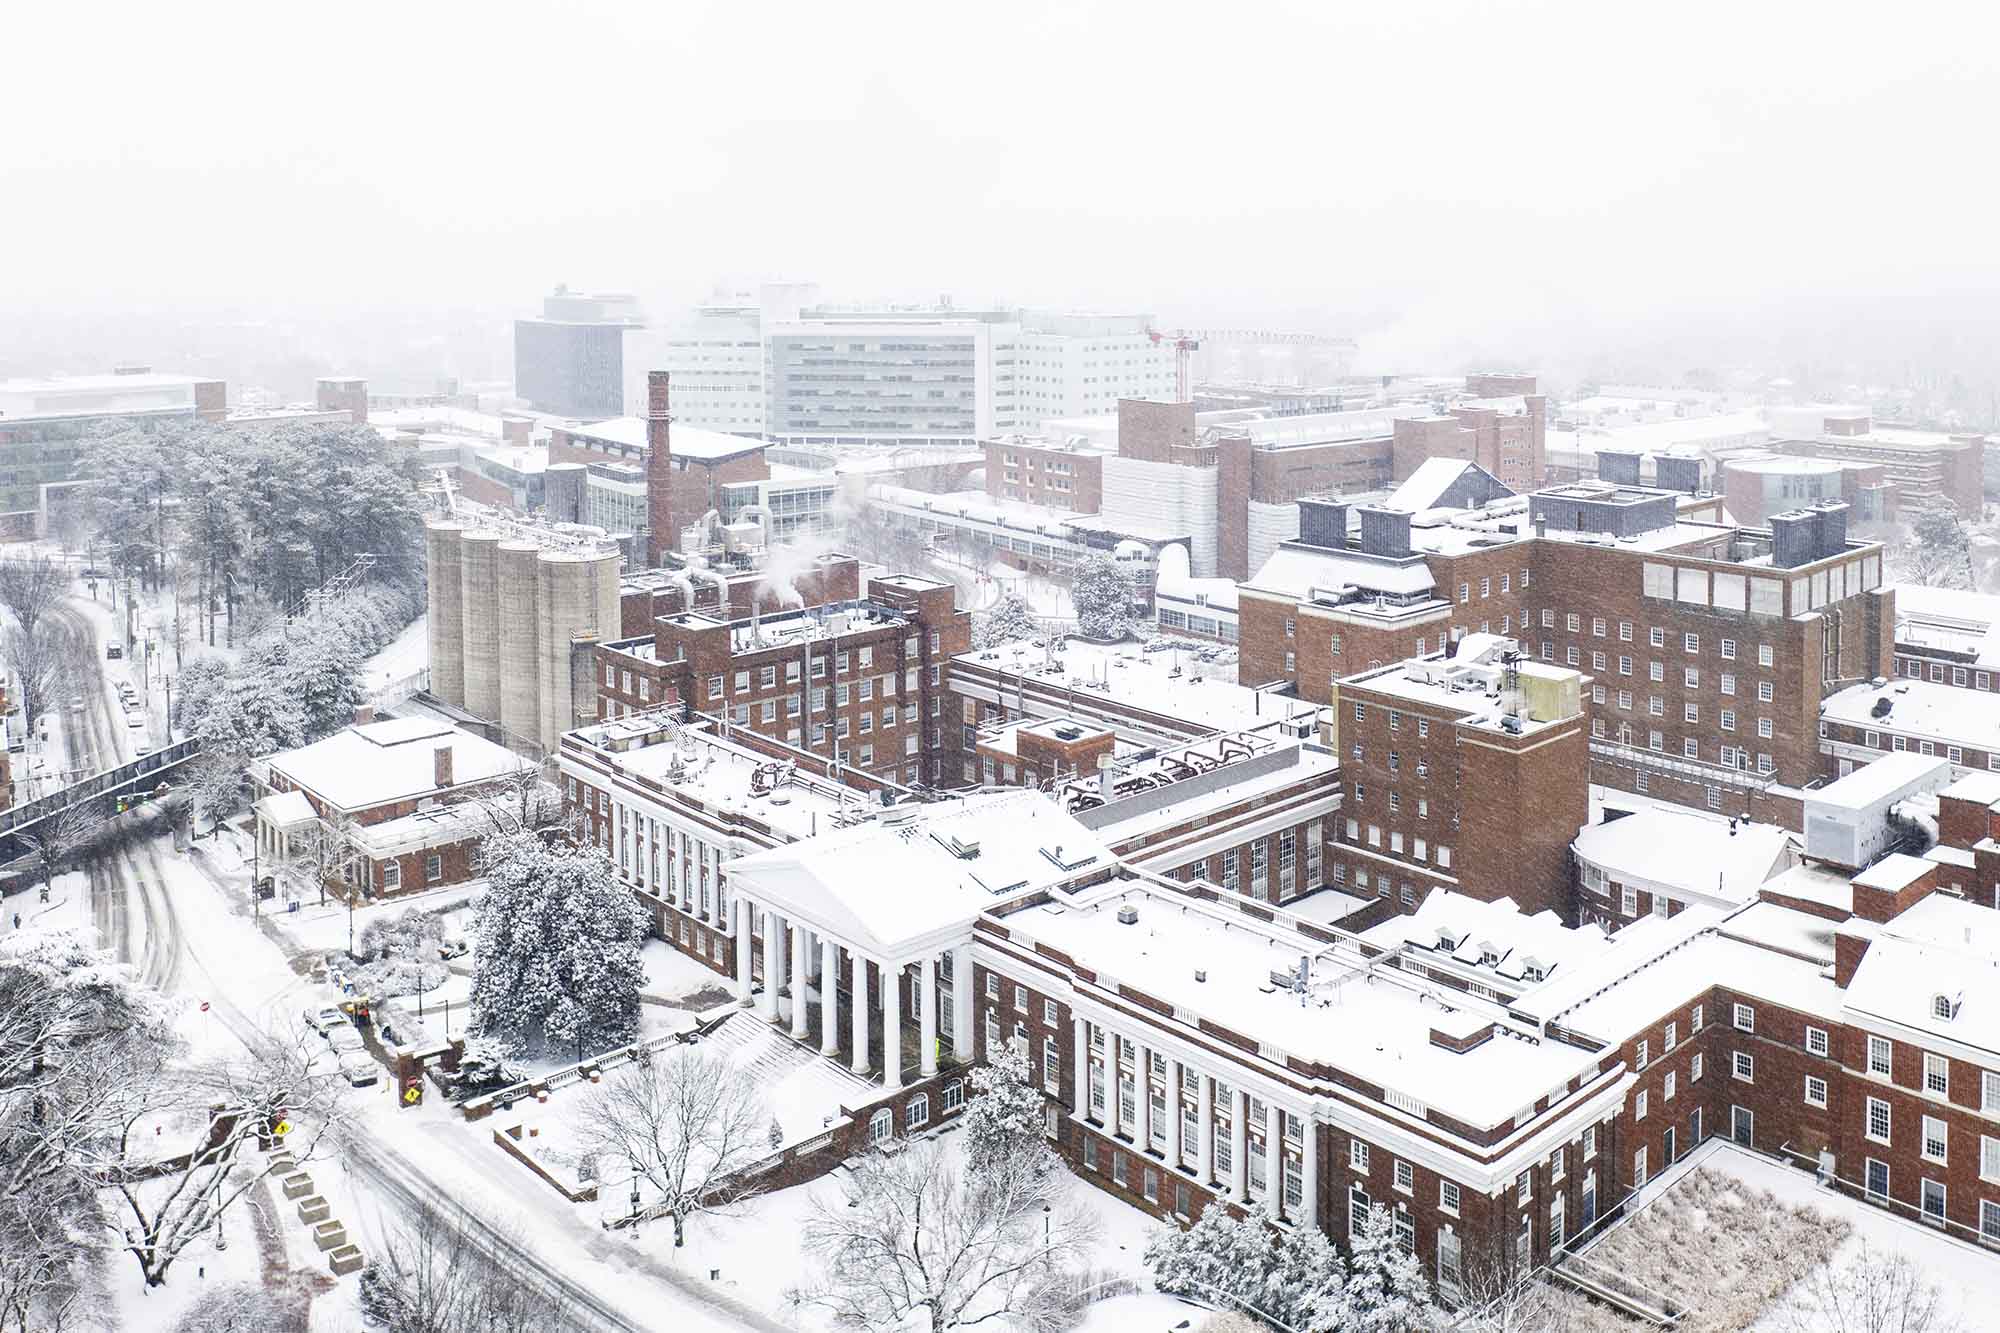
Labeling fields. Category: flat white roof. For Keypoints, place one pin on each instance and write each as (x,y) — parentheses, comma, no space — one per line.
(1943,946)
(1124,674)
(1371,1023)
(1968,718)
(1295,570)
(683,441)
(1475,928)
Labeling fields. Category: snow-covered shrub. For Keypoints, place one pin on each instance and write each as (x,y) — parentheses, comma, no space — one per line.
(1003,1119)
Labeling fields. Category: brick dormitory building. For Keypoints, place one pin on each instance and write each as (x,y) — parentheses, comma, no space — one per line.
(1498,1080)
(1707,648)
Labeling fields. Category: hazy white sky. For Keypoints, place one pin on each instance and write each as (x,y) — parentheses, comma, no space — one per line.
(1555,162)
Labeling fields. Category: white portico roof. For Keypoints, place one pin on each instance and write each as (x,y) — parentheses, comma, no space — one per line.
(917,877)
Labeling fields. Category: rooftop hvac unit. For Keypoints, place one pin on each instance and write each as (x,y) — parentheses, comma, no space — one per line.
(1128,915)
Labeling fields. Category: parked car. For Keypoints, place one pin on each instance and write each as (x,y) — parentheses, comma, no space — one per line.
(453,946)
(345,1039)
(112,652)
(135,721)
(359,1070)
(323,1018)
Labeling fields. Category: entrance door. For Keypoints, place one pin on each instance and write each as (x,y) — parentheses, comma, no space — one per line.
(1743,1126)
(1667,1149)
(1694,1128)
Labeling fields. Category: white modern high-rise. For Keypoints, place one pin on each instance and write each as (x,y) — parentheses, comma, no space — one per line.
(769,363)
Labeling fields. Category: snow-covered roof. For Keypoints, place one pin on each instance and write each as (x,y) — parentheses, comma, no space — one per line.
(1686,853)
(1467,930)
(1372,1023)
(377,763)
(285,810)
(438,827)
(1294,570)
(683,441)
(1814,883)
(1894,872)
(1426,487)
(1980,787)
(1941,946)
(1175,583)
(1107,680)
(920,875)
(1968,718)
(1654,987)
(1949,619)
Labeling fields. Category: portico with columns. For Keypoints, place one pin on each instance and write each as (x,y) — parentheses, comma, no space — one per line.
(860,943)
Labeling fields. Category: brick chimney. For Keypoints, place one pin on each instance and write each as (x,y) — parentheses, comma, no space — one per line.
(659,477)
(441,765)
(363,714)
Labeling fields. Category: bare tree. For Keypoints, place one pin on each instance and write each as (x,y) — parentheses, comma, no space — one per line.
(917,1231)
(319,851)
(30,589)
(1497,1296)
(244,1307)
(522,802)
(169,1204)
(432,1278)
(38,659)
(685,1122)
(1866,1292)
(61,836)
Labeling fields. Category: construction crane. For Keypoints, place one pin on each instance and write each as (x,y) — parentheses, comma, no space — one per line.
(1185,345)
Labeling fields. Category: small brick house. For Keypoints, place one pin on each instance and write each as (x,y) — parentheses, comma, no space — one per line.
(402,796)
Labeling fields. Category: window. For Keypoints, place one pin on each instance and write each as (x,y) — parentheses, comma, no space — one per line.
(1729,650)
(1667,1089)
(1746,1018)
(1989,1091)
(1933,1201)
(1657,637)
(1878,1120)
(1880,1051)
(1744,1066)
(1937,1074)
(1357,1155)
(1406,1176)
(1448,1191)
(433,868)
(1357,1210)
(1989,1157)
(1524,1187)
(881,1126)
(1643,1047)
(1878,1179)
(1816,1043)
(1638,1168)
(918,1113)
(1815,1091)
(1934,1139)
(1764,657)
(1694,1068)
(1639,1106)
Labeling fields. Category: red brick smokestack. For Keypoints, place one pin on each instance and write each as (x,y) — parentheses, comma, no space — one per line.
(659,481)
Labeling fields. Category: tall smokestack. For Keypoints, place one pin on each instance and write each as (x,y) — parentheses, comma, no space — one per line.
(659,481)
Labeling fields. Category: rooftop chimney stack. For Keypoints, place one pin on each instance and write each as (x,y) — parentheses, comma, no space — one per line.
(441,765)
(1794,539)
(1832,517)
(659,462)
(1678,474)
(1323,523)
(1618,467)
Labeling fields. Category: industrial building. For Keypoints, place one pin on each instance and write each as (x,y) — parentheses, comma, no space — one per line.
(571,360)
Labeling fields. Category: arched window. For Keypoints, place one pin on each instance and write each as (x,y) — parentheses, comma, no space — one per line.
(881,1126)
(918,1113)
(1941,1007)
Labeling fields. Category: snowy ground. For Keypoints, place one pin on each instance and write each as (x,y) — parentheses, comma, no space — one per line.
(404,656)
(757,1253)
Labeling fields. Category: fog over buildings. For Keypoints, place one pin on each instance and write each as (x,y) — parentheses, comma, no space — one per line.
(1557,185)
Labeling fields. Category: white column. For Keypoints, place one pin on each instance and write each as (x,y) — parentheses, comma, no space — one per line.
(860,1008)
(1174,1116)
(1239,1155)
(1080,1092)
(1142,1096)
(961,1002)
(892,1027)
(798,942)
(743,952)
(1309,1174)
(774,966)
(1205,1113)
(927,1011)
(1274,1160)
(829,997)
(1113,1102)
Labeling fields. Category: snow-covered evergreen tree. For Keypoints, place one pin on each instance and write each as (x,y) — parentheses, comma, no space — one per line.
(558,955)
(1306,1285)
(1010,620)
(1386,1289)
(1222,1258)
(1102,593)
(1004,1118)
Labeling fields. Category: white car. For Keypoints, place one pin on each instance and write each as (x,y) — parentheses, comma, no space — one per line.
(345,1039)
(359,1070)
(135,722)
(324,1018)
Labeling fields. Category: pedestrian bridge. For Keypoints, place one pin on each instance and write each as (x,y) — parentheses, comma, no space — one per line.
(141,774)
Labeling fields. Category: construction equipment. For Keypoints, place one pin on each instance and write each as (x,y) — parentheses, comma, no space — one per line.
(1185,345)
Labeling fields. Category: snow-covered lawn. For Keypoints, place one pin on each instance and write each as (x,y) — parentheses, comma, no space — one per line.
(674,977)
(756,1252)
(404,655)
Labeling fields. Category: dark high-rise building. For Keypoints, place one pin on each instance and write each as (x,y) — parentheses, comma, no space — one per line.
(571,361)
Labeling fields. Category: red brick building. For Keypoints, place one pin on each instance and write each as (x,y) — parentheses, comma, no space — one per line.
(1503,427)
(858,681)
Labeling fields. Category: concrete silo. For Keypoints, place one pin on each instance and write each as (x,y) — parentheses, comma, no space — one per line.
(445,625)
(576,598)
(519,648)
(479,599)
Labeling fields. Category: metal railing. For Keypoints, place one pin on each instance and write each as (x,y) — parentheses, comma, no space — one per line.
(17,818)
